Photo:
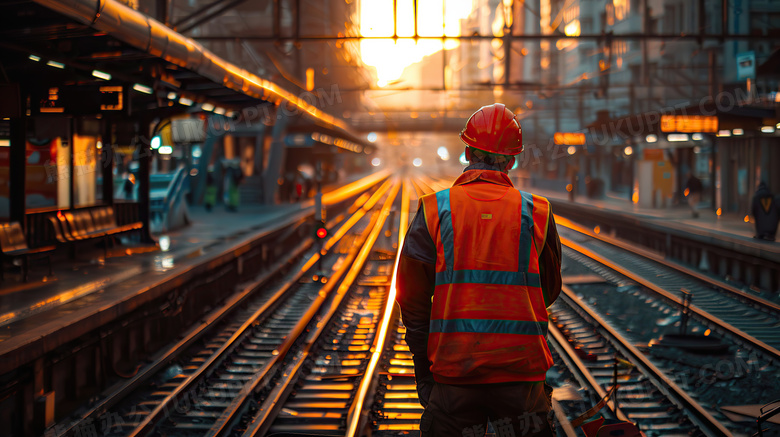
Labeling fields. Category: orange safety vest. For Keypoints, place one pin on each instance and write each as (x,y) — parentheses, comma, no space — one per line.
(489,314)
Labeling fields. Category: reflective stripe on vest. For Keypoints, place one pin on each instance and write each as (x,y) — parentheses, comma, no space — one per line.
(489,326)
(445,229)
(493,277)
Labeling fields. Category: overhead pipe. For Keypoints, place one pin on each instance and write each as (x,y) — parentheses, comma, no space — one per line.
(147,34)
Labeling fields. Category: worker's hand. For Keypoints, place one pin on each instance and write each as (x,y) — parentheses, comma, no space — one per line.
(424,389)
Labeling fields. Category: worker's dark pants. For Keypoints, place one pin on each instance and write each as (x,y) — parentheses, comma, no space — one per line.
(462,410)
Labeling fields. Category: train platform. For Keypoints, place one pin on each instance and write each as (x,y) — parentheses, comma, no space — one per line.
(727,229)
(720,245)
(88,291)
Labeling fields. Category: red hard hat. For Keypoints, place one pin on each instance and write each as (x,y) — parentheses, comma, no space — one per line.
(493,128)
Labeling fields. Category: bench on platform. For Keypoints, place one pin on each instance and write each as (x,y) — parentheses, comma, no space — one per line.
(80,225)
(14,245)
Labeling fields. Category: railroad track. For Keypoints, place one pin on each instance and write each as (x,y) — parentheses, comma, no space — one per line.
(323,387)
(741,315)
(641,304)
(327,357)
(597,354)
(193,387)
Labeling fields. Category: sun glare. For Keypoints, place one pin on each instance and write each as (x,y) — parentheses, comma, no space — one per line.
(390,58)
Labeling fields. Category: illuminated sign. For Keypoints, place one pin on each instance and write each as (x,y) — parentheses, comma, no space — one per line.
(52,103)
(111,98)
(689,123)
(569,138)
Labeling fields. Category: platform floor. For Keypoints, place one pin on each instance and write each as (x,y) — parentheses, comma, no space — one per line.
(90,283)
(679,217)
(727,227)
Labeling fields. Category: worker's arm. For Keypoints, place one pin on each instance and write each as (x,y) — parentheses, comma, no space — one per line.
(415,283)
(550,263)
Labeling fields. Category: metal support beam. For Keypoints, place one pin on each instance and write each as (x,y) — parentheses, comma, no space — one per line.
(161,11)
(259,150)
(144,164)
(524,37)
(211,15)
(71,164)
(144,155)
(200,11)
(18,160)
(275,167)
(207,149)
(414,15)
(277,24)
(259,158)
(107,164)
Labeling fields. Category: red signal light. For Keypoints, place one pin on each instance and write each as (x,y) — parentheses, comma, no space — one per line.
(322,232)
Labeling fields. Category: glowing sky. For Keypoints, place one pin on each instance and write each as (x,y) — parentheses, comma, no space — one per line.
(435,18)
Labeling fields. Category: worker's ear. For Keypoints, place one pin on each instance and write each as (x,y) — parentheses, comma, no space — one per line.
(468,154)
(510,163)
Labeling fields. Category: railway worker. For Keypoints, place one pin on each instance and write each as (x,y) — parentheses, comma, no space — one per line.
(480,265)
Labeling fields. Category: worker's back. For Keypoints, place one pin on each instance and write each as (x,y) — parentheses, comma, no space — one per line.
(489,317)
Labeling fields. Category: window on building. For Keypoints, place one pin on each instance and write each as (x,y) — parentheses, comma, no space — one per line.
(765,24)
(587,25)
(669,19)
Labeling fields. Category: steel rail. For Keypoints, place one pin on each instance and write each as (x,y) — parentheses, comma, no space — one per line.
(673,391)
(418,189)
(261,423)
(354,188)
(433,184)
(367,206)
(356,416)
(356,258)
(756,300)
(163,358)
(562,419)
(768,350)
(575,364)
(155,415)
(188,338)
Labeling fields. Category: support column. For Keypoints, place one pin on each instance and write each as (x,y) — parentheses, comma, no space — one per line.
(274,170)
(260,150)
(260,159)
(17,156)
(107,164)
(207,149)
(71,164)
(144,165)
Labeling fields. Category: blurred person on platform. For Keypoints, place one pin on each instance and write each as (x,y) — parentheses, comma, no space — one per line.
(210,196)
(693,191)
(129,186)
(766,212)
(234,177)
(480,264)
